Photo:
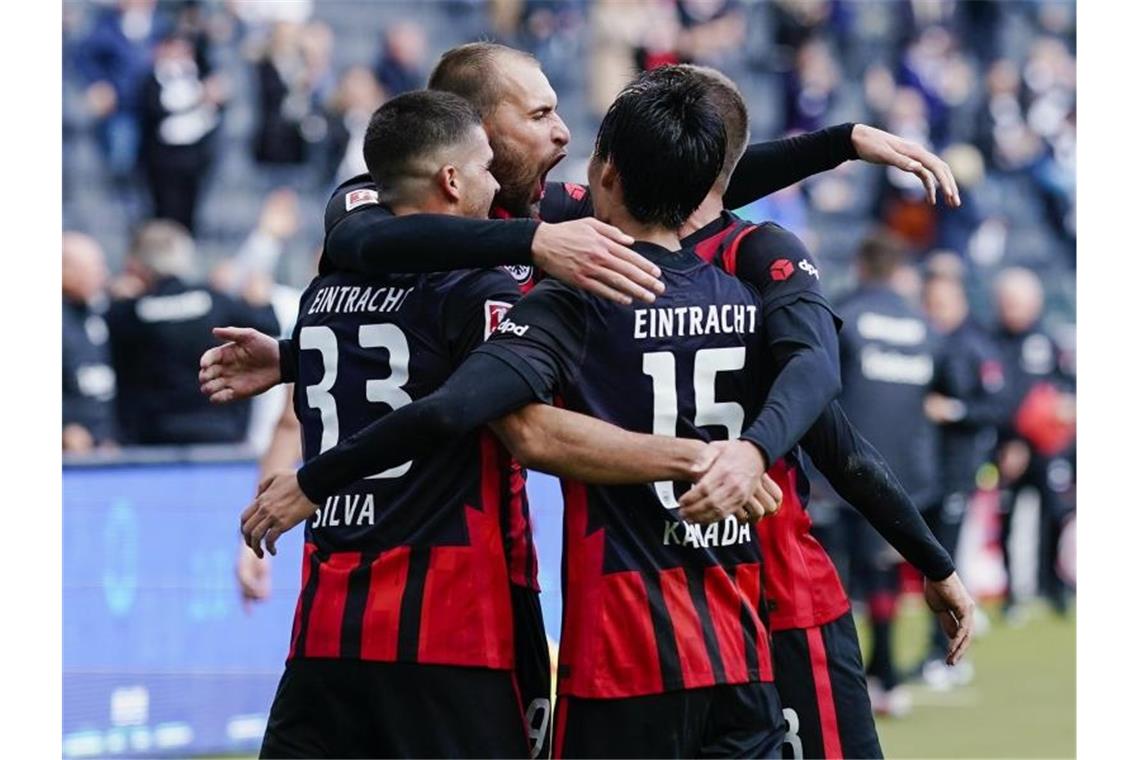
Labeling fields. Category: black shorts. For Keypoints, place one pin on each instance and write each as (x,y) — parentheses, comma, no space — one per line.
(716,721)
(355,708)
(819,673)
(532,669)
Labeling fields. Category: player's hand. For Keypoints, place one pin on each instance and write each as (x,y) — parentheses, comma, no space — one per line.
(280,504)
(592,255)
(253,576)
(246,365)
(731,486)
(954,608)
(878,147)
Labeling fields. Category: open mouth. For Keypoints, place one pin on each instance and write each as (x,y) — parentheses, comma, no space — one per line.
(540,186)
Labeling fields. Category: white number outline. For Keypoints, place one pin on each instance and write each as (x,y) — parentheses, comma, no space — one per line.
(661,366)
(389,390)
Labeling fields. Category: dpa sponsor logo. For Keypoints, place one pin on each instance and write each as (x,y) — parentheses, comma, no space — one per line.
(514,328)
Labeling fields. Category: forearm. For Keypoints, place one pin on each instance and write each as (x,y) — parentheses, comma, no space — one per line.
(804,387)
(773,165)
(466,401)
(861,476)
(377,243)
(801,336)
(572,445)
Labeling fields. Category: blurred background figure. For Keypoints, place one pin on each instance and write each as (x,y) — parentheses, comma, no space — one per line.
(114,60)
(1038,430)
(402,64)
(967,405)
(284,99)
(887,353)
(158,337)
(357,96)
(180,114)
(88,379)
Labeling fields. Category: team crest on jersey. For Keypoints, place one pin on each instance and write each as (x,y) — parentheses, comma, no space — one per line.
(781,269)
(577,192)
(521,272)
(493,314)
(358,198)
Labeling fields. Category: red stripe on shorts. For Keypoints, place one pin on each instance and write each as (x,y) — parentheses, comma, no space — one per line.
(828,723)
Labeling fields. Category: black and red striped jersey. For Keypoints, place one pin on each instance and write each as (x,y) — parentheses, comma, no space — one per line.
(651,603)
(801,583)
(358,195)
(410,564)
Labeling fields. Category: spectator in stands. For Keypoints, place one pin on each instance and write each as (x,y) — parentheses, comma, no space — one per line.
(1039,425)
(114,60)
(180,116)
(887,355)
(357,97)
(284,99)
(88,379)
(401,65)
(810,88)
(158,337)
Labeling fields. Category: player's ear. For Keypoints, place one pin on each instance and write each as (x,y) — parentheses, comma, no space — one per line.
(449,182)
(609,176)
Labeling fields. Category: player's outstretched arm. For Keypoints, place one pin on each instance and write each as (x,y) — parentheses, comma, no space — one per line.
(585,253)
(481,389)
(773,165)
(247,364)
(861,476)
(573,445)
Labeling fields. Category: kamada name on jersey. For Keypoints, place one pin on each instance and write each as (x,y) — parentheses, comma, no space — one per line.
(727,532)
(348,510)
(679,321)
(352,299)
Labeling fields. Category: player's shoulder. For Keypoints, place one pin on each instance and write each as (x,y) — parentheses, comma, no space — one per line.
(484,279)
(770,241)
(356,193)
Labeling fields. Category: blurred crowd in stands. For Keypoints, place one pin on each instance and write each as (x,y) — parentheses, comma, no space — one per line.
(201,139)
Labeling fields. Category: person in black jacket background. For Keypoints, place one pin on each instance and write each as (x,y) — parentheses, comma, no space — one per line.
(88,379)
(967,405)
(1038,431)
(180,117)
(157,337)
(888,353)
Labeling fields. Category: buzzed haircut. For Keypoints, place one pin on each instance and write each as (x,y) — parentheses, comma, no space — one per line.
(880,254)
(666,140)
(410,128)
(165,248)
(470,71)
(729,103)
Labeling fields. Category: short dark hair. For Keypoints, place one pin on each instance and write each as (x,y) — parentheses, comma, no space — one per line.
(469,71)
(410,127)
(880,254)
(725,95)
(666,140)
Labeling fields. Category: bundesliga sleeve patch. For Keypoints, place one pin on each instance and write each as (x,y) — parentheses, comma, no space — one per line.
(781,269)
(493,314)
(358,198)
(577,192)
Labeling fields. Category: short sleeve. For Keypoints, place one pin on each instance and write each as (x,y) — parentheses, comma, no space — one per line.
(475,307)
(543,337)
(565,201)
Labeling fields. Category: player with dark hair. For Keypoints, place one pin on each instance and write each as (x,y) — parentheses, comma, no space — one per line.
(396,598)
(656,609)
